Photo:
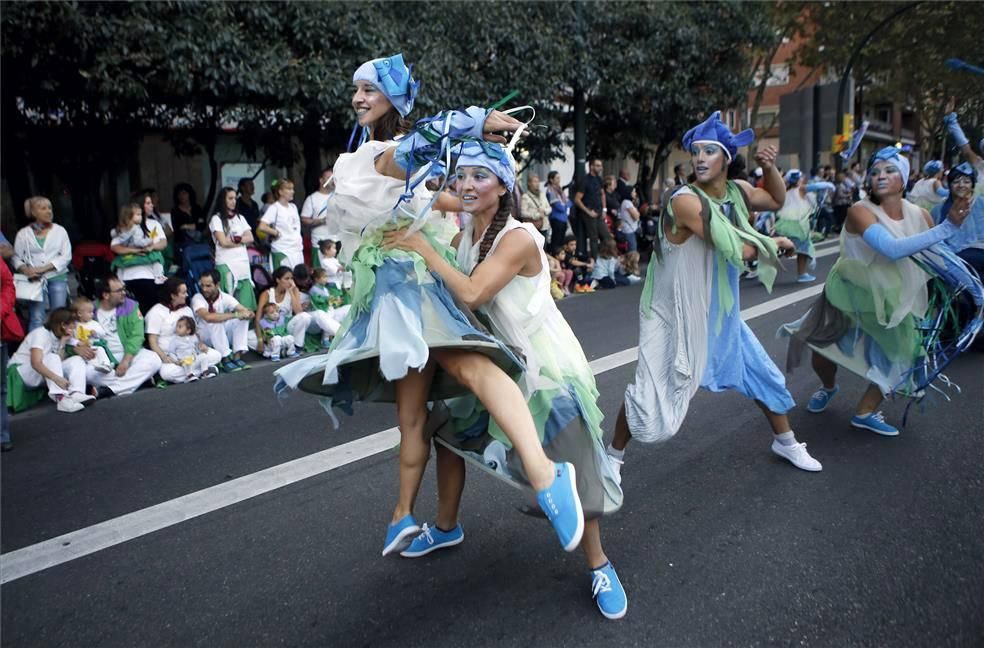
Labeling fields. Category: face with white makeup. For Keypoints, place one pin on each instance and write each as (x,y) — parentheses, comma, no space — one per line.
(709,160)
(479,189)
(885,179)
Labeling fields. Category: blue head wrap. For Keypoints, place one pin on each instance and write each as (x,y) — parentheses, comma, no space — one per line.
(932,167)
(715,130)
(393,78)
(962,170)
(893,154)
(491,156)
(793,176)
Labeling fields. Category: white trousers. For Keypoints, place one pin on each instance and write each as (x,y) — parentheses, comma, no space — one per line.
(298,326)
(73,369)
(176,373)
(225,337)
(278,346)
(142,367)
(327,322)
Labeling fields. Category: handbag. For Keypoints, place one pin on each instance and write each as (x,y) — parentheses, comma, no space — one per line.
(27,290)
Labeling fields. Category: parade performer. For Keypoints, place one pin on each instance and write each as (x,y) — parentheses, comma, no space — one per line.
(928,192)
(503,274)
(870,317)
(405,339)
(794,219)
(968,242)
(691,331)
(960,140)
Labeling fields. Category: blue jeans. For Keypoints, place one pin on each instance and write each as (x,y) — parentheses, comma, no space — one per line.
(55,296)
(631,242)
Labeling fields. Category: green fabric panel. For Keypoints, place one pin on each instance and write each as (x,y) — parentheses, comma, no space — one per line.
(132,260)
(19,396)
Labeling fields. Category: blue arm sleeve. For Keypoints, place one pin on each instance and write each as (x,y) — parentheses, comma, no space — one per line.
(424,143)
(883,242)
(943,192)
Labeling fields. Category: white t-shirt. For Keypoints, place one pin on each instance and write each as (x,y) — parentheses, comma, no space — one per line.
(161,320)
(147,270)
(626,224)
(39,338)
(93,331)
(224,303)
(287,221)
(107,319)
(333,268)
(316,206)
(236,258)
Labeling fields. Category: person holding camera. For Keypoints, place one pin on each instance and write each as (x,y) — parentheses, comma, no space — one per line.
(231,234)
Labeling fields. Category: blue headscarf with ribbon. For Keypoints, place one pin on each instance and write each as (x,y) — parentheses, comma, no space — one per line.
(891,153)
(793,176)
(715,130)
(393,78)
(932,167)
(488,155)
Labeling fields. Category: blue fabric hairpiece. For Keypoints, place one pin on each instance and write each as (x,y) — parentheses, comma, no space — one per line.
(393,78)
(715,130)
(895,155)
(793,176)
(932,167)
(488,155)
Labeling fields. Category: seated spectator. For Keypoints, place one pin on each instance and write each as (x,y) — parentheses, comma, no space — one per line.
(287,297)
(187,351)
(560,278)
(231,235)
(628,220)
(120,318)
(580,265)
(223,323)
(161,323)
(41,359)
(273,331)
(325,318)
(42,253)
(605,273)
(629,266)
(90,332)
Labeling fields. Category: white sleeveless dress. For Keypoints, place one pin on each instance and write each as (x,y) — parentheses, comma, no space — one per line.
(559,385)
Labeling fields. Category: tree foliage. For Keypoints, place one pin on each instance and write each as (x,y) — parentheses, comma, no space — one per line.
(83,81)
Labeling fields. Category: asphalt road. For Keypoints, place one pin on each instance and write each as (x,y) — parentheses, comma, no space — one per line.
(719,543)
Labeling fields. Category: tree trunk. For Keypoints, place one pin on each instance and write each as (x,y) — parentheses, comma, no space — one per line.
(580,134)
(210,139)
(311,147)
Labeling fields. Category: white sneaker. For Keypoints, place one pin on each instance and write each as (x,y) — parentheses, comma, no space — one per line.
(616,465)
(102,367)
(797,455)
(634,279)
(82,399)
(68,405)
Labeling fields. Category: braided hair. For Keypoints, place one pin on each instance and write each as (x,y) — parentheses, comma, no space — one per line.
(498,222)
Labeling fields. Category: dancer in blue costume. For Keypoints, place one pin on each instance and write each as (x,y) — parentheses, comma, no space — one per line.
(691,332)
(871,318)
(405,339)
(968,242)
(502,273)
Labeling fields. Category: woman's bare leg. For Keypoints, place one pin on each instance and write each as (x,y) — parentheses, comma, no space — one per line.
(825,370)
(450,484)
(870,401)
(622,434)
(591,544)
(801,262)
(505,403)
(411,413)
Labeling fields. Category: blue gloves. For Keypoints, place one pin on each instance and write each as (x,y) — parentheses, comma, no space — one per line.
(953,126)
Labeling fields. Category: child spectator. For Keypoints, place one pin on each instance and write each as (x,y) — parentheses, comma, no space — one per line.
(580,266)
(90,332)
(326,319)
(561,276)
(276,339)
(605,271)
(629,266)
(187,351)
(327,251)
(41,359)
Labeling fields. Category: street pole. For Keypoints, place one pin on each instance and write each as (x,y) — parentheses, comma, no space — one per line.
(845,75)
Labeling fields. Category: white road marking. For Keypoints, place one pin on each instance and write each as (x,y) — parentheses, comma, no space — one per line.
(76,544)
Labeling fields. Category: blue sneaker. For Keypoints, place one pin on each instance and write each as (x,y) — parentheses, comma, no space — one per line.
(562,506)
(242,365)
(607,592)
(875,422)
(432,539)
(400,534)
(806,277)
(821,398)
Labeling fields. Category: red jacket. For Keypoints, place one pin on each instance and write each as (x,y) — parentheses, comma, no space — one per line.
(10,326)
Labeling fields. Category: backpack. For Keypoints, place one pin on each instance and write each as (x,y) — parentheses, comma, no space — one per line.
(196,260)
(93,262)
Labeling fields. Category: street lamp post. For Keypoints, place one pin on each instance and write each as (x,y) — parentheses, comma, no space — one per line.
(842,90)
